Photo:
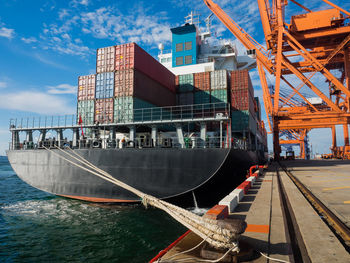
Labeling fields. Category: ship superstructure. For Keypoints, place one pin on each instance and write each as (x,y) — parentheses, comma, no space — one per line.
(194,51)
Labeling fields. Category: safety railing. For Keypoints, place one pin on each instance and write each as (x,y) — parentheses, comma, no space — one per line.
(196,112)
(140,143)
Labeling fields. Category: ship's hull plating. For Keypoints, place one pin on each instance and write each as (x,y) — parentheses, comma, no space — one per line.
(164,173)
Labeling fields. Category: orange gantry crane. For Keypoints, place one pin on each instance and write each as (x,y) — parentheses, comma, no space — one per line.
(296,137)
(309,56)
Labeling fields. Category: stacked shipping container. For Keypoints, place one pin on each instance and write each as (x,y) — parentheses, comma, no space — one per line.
(104,110)
(86,87)
(243,115)
(124,109)
(86,95)
(86,109)
(131,82)
(242,92)
(105,59)
(184,88)
(131,56)
(202,88)
(104,85)
(127,78)
(219,86)
(201,83)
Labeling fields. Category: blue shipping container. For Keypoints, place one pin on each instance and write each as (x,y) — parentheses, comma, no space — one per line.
(105,85)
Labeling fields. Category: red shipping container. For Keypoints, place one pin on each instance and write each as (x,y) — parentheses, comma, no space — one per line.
(131,82)
(241,99)
(240,79)
(86,87)
(129,56)
(105,61)
(104,110)
(202,80)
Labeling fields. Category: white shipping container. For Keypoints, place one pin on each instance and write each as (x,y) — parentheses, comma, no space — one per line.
(105,59)
(218,79)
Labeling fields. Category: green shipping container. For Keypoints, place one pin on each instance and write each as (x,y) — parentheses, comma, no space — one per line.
(201,97)
(86,109)
(219,95)
(243,120)
(186,83)
(126,109)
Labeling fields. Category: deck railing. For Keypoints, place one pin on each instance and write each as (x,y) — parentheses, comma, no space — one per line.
(139,143)
(184,113)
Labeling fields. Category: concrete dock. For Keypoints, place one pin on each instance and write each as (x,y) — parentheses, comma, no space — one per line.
(282,223)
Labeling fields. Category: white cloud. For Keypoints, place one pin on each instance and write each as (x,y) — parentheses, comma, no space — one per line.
(63,13)
(62,89)
(7,32)
(48,61)
(56,39)
(106,23)
(3,84)
(29,40)
(37,102)
(80,2)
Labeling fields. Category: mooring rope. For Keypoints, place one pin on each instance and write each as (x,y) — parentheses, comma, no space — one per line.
(208,229)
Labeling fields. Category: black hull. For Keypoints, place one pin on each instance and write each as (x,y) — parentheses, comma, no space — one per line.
(164,173)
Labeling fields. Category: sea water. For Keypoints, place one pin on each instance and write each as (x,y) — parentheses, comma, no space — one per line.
(39,227)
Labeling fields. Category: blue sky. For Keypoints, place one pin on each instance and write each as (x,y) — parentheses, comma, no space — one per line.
(46,44)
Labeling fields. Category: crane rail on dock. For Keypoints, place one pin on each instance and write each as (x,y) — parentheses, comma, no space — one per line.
(342,231)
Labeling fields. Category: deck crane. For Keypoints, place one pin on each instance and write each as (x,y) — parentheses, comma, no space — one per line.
(313,46)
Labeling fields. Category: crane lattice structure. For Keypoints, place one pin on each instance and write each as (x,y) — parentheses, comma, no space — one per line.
(309,57)
(296,137)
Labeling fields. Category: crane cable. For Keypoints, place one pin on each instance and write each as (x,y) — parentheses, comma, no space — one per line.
(210,230)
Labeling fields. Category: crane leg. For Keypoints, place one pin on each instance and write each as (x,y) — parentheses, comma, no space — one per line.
(276,140)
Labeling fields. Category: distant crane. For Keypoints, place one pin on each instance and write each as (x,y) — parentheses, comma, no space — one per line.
(312,44)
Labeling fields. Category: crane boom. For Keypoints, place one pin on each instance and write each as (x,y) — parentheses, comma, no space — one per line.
(241,35)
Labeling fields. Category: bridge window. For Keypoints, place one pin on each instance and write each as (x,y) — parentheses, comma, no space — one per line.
(188,45)
(179,61)
(179,47)
(188,60)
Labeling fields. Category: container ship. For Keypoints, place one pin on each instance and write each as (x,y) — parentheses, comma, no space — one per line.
(185,123)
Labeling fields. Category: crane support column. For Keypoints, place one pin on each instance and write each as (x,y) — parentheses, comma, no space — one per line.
(334,138)
(346,134)
(347,72)
(276,141)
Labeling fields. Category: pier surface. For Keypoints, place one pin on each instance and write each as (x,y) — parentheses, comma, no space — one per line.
(282,222)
